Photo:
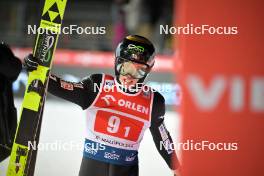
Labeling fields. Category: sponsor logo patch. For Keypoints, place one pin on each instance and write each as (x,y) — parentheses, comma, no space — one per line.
(66,85)
(90,150)
(112,155)
(163,132)
(130,158)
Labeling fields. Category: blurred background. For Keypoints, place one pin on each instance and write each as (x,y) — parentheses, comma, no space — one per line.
(79,55)
(119,17)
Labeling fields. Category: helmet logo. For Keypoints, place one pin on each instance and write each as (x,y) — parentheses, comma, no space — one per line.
(135,49)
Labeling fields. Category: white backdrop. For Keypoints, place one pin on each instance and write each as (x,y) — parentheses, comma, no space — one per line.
(63,124)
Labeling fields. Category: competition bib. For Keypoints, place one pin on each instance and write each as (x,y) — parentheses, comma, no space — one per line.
(117,119)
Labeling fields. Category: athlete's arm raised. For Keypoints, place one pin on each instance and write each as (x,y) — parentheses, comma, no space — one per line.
(160,134)
(81,93)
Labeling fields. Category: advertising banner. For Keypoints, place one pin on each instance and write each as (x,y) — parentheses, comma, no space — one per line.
(223,87)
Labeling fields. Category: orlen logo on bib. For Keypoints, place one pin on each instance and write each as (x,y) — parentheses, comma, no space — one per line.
(109,99)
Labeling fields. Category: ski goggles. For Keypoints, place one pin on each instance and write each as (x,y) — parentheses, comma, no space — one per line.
(136,70)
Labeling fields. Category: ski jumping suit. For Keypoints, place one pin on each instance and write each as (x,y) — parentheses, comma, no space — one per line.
(116,122)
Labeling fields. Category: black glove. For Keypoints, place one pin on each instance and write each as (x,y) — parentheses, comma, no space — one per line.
(30,63)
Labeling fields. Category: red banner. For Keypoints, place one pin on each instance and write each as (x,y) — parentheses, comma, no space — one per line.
(95,59)
(223,89)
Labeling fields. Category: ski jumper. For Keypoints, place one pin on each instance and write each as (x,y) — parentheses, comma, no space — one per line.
(115,123)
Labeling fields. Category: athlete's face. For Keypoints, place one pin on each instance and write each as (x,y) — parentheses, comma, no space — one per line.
(131,72)
(128,80)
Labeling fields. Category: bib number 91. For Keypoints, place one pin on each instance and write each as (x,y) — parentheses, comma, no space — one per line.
(118,126)
(114,124)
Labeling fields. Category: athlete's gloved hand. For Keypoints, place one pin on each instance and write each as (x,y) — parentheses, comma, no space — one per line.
(30,63)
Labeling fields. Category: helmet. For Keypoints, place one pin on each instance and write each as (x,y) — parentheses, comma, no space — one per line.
(136,49)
